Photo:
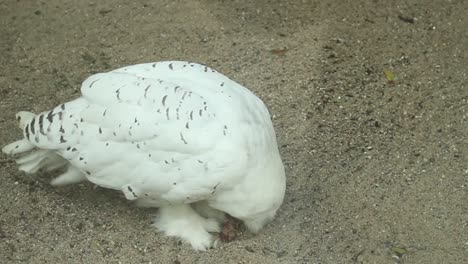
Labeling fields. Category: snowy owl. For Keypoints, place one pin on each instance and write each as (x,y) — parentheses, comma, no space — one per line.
(174,135)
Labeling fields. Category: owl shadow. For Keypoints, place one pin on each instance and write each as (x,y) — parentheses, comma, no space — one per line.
(86,196)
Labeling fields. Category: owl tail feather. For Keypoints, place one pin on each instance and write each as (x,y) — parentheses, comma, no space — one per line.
(17,147)
(24,118)
(39,159)
(36,159)
(22,145)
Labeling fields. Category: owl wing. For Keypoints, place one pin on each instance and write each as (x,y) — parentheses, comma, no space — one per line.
(156,135)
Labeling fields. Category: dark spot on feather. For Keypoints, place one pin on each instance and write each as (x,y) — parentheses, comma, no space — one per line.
(62,106)
(206,69)
(187,125)
(164,100)
(191,115)
(149,155)
(104,113)
(18,118)
(62,140)
(81,120)
(70,116)
(167,113)
(74,149)
(199,161)
(183,96)
(61,130)
(60,114)
(204,108)
(75,125)
(87,172)
(222,84)
(36,139)
(41,124)
(200,112)
(176,88)
(182,138)
(68,148)
(117,92)
(107,144)
(81,158)
(146,90)
(130,188)
(170,66)
(91,85)
(50,116)
(138,146)
(32,125)
(146,195)
(113,133)
(100,130)
(154,65)
(165,161)
(136,120)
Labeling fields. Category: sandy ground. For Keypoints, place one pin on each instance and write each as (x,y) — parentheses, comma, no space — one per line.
(377,170)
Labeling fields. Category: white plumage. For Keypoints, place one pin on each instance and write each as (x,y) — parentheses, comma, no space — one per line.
(174,135)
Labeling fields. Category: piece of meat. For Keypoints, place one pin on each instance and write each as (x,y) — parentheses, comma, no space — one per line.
(231,229)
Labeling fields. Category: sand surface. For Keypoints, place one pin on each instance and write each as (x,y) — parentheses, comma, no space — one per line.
(377,169)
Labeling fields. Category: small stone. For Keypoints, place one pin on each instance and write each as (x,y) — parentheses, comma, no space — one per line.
(249,249)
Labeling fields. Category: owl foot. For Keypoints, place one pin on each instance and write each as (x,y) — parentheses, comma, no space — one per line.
(184,222)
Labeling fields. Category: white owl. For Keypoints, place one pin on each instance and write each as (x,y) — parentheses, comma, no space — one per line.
(175,135)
